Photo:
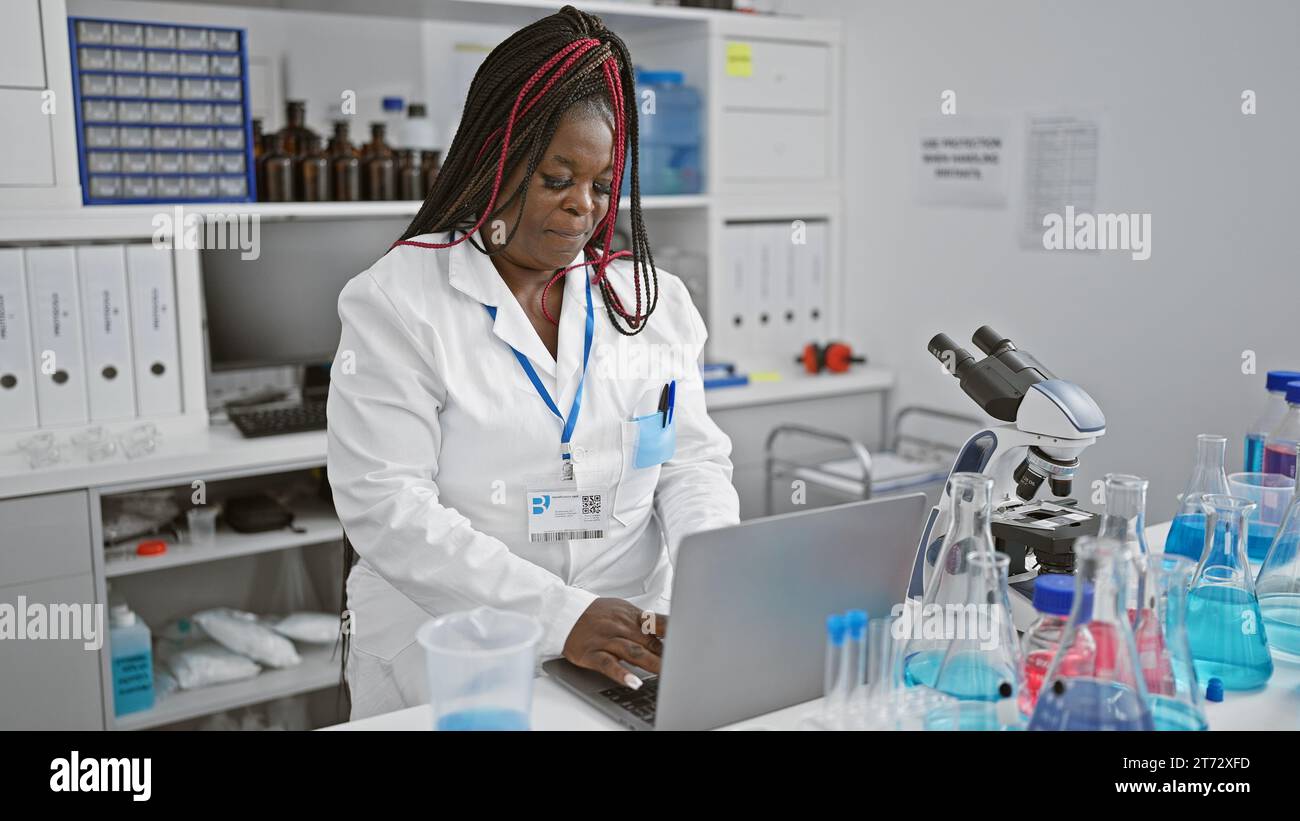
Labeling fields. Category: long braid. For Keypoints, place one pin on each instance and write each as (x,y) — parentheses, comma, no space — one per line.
(514,106)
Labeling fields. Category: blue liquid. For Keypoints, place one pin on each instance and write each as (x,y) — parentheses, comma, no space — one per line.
(1187,536)
(968,677)
(484,719)
(1258,539)
(1254,461)
(1088,704)
(922,668)
(1226,629)
(1282,617)
(1171,715)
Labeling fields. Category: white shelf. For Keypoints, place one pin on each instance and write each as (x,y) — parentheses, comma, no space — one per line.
(320,524)
(317,671)
(797,386)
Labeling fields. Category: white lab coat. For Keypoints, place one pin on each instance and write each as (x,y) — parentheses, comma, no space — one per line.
(435,430)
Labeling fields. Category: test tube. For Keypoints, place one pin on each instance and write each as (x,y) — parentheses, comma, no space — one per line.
(855,661)
(835,679)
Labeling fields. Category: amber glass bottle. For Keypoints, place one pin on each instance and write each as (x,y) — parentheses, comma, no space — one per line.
(379,168)
(297,136)
(278,170)
(314,174)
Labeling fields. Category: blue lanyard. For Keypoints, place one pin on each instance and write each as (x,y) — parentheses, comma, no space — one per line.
(572,420)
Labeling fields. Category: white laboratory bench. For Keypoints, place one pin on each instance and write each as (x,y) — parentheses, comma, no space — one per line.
(1274,707)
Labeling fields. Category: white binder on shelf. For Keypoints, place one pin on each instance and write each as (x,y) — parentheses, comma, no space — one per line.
(110,379)
(153,330)
(17,384)
(57,357)
(814,262)
(791,332)
(763,287)
(729,338)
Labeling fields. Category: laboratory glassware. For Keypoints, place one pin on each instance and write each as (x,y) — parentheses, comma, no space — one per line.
(890,703)
(345,164)
(1053,598)
(835,679)
(1163,647)
(1280,447)
(1278,585)
(1187,533)
(1224,623)
(314,177)
(429,167)
(410,177)
(1275,383)
(259,155)
(297,136)
(946,583)
(277,171)
(1095,681)
(1124,520)
(982,662)
(480,666)
(1271,493)
(378,167)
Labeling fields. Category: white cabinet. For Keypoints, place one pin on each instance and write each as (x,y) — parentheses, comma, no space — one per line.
(762,146)
(22,57)
(788,76)
(28,155)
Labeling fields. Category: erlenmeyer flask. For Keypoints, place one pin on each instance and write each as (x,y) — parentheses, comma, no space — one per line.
(1224,621)
(983,657)
(1187,533)
(970,500)
(1163,648)
(1124,520)
(1278,584)
(1095,685)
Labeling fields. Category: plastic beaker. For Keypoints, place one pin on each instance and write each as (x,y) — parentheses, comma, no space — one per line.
(1271,493)
(480,667)
(1224,622)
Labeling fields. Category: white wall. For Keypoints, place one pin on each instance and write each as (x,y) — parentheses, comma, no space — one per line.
(1158,343)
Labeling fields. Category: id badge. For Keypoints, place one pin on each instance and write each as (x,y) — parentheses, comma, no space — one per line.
(561,508)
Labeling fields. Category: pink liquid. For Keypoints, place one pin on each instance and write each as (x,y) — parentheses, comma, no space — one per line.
(1279,458)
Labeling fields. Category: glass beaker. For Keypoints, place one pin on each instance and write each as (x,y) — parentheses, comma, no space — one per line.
(970,498)
(982,661)
(1278,584)
(1187,533)
(1095,681)
(1163,647)
(480,666)
(1271,493)
(1224,622)
(890,704)
(1124,520)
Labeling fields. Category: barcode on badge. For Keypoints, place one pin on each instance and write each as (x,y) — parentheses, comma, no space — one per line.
(562,535)
(591,504)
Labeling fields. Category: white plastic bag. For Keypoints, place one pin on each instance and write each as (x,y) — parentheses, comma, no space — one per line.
(309,628)
(242,633)
(209,663)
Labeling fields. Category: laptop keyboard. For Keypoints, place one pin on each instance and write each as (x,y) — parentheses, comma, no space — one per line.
(640,703)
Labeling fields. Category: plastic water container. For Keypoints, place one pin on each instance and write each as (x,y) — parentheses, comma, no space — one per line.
(668,131)
(132,654)
(480,665)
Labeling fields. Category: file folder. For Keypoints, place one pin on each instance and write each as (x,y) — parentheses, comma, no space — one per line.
(153,330)
(814,279)
(729,339)
(110,377)
(56,336)
(17,385)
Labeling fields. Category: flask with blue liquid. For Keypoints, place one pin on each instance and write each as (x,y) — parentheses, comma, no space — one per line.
(1095,682)
(1278,585)
(1187,533)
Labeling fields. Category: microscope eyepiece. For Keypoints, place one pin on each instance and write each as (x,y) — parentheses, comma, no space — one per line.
(952,356)
(990,342)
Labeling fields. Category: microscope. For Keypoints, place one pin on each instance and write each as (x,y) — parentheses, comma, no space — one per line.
(1049,423)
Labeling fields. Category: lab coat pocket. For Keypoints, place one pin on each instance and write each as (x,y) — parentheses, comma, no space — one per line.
(646,445)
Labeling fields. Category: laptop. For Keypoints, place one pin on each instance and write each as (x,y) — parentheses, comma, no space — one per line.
(747,629)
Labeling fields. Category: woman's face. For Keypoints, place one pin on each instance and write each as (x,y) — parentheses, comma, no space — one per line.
(568,195)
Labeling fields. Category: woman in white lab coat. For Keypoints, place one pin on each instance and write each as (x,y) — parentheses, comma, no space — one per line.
(516,419)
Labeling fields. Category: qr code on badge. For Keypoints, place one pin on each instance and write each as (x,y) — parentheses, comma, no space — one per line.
(591,504)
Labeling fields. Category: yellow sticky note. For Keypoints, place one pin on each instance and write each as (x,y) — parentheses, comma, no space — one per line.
(740,60)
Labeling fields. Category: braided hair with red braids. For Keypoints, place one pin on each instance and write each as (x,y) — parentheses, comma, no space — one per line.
(516,101)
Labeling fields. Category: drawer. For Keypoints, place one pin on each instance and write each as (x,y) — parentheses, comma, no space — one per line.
(28,155)
(786,76)
(44,537)
(51,684)
(771,146)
